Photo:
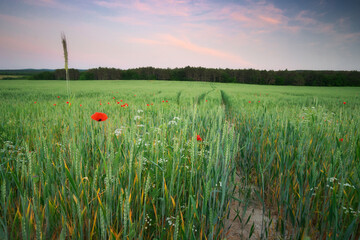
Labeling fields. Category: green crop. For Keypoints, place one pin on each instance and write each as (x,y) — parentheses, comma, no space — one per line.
(142,174)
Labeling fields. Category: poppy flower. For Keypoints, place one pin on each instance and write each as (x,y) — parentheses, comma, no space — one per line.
(249,101)
(147,104)
(34,102)
(99,116)
(135,95)
(341,139)
(258,101)
(344,102)
(108,103)
(152,104)
(167,101)
(205,100)
(54,104)
(163,101)
(80,105)
(113,97)
(118,102)
(67,102)
(58,96)
(198,138)
(100,104)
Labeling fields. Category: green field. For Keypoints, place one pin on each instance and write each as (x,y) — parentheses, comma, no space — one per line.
(10,77)
(142,173)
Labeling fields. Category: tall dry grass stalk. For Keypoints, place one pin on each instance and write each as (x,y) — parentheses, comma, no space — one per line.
(63,40)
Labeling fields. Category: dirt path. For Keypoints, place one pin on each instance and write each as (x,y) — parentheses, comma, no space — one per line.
(240,226)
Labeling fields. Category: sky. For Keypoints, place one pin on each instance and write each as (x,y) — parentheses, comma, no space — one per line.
(236,34)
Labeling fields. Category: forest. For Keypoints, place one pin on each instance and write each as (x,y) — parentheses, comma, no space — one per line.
(248,76)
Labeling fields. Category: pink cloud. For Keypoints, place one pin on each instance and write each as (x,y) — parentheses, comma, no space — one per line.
(256,16)
(270,20)
(126,20)
(52,4)
(304,19)
(153,7)
(169,40)
(27,46)
(14,19)
(240,17)
(144,41)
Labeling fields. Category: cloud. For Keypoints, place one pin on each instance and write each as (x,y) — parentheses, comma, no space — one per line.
(152,7)
(126,20)
(53,4)
(185,44)
(27,46)
(14,19)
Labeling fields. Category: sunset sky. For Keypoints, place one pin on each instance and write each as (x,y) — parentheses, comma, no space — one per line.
(271,35)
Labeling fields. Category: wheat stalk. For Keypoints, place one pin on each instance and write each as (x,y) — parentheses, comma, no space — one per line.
(63,40)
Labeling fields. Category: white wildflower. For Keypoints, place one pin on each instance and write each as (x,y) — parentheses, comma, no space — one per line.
(332,179)
(118,131)
(172,122)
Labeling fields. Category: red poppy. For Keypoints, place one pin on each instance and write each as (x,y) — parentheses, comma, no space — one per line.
(100,104)
(80,105)
(205,100)
(67,102)
(341,139)
(99,116)
(54,104)
(113,97)
(126,104)
(34,102)
(147,104)
(249,101)
(152,104)
(118,102)
(58,96)
(167,101)
(163,101)
(259,101)
(344,102)
(198,138)
(108,103)
(134,95)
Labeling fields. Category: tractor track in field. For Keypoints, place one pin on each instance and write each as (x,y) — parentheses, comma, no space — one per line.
(245,219)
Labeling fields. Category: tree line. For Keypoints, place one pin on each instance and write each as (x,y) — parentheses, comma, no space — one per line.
(249,76)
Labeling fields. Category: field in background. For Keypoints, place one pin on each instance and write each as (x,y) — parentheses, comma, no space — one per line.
(143,174)
(10,77)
